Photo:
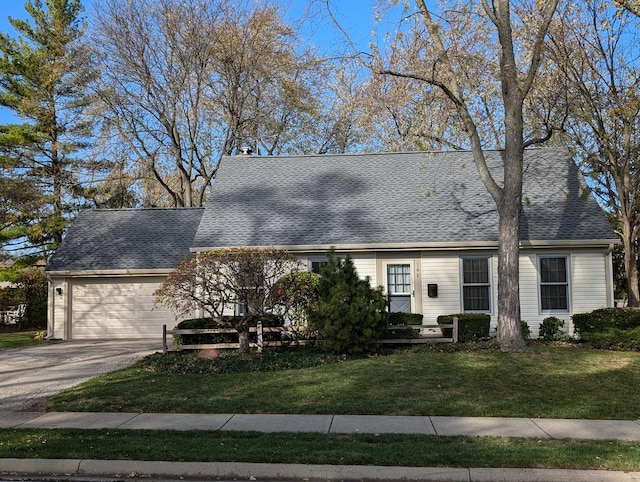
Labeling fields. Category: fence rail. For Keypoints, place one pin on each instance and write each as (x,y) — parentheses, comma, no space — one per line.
(261,342)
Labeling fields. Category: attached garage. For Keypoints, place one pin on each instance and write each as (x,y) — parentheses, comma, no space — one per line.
(117,308)
(103,276)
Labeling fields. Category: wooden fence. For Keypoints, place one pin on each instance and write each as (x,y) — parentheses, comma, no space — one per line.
(261,342)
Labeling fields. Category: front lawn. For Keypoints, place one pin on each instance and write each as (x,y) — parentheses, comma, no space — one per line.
(18,338)
(547,382)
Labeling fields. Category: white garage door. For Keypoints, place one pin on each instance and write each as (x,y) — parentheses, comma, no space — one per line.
(117,308)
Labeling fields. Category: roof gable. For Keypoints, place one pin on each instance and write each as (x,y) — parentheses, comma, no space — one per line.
(390,199)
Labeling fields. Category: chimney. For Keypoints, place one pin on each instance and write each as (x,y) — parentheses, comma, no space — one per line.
(246,151)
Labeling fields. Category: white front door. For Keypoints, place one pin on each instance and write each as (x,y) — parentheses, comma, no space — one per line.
(399,280)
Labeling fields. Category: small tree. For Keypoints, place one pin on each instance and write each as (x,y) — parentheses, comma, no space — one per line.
(296,293)
(31,287)
(349,315)
(227,280)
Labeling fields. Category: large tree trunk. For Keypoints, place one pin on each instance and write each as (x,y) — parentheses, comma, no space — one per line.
(630,265)
(509,327)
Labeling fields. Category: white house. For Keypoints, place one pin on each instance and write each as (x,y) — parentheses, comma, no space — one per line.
(420,224)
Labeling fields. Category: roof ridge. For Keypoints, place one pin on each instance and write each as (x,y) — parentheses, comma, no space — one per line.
(388,153)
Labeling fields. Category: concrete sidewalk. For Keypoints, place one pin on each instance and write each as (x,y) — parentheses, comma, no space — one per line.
(337,424)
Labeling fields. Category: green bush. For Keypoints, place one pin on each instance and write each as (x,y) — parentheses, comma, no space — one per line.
(471,326)
(401,333)
(399,318)
(526,331)
(614,339)
(551,329)
(605,318)
(349,315)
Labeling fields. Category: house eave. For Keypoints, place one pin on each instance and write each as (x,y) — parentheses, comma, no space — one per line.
(430,246)
(115,273)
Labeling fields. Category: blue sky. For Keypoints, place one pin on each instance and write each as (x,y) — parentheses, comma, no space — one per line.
(355,16)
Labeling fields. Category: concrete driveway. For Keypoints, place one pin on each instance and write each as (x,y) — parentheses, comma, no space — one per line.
(34,373)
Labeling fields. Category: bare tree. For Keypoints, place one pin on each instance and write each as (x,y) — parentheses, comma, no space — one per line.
(444,47)
(596,48)
(186,82)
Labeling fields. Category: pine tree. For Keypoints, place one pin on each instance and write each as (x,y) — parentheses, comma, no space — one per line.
(44,73)
(349,315)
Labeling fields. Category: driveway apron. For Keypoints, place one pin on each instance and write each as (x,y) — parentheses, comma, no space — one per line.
(31,374)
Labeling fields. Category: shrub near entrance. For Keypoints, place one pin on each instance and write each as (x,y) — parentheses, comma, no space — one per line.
(350,315)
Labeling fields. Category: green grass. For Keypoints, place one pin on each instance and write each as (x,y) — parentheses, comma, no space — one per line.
(547,382)
(18,338)
(387,450)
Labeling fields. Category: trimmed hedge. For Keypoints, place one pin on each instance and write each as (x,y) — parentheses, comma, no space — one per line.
(606,318)
(224,322)
(471,326)
(401,333)
(614,339)
(399,318)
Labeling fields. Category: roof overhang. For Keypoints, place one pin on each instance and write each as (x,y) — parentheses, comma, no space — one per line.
(114,273)
(433,246)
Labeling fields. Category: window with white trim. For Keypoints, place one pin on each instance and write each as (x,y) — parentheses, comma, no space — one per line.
(554,283)
(476,284)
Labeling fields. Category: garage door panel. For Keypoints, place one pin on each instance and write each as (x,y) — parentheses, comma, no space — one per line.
(117,308)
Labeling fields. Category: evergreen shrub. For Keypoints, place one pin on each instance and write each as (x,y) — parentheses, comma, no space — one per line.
(349,316)
(471,326)
(399,318)
(605,318)
(551,329)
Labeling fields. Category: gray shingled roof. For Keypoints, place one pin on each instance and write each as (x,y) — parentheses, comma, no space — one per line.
(383,199)
(115,239)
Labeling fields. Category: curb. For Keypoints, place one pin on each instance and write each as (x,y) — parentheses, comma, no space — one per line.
(253,471)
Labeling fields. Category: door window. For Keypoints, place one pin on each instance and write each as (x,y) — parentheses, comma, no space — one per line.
(399,287)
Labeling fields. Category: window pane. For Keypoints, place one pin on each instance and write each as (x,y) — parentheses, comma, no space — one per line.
(475,284)
(554,286)
(475,270)
(553,270)
(554,297)
(476,298)
(399,278)
(316,266)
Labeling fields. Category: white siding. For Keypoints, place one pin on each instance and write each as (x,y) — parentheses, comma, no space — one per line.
(365,264)
(529,304)
(57,309)
(588,285)
(441,269)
